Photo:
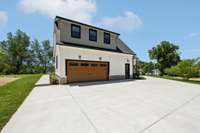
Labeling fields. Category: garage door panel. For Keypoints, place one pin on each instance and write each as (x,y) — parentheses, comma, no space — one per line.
(78,71)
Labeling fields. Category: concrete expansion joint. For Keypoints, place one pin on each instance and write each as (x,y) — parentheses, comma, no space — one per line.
(83,112)
(170,113)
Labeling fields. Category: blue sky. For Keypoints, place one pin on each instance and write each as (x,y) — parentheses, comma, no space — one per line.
(142,24)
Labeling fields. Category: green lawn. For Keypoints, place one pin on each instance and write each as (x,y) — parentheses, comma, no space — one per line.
(178,79)
(13,94)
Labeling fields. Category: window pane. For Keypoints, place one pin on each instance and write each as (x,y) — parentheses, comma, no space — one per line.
(75,31)
(73,64)
(106,38)
(92,35)
(94,65)
(103,65)
(84,64)
(56,62)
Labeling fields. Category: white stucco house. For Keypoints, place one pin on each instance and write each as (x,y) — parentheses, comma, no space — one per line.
(87,53)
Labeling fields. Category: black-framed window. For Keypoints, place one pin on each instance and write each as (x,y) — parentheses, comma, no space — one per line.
(84,64)
(106,38)
(75,31)
(73,64)
(94,65)
(103,65)
(92,35)
(56,62)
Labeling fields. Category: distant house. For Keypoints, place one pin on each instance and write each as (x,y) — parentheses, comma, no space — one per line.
(87,53)
(156,72)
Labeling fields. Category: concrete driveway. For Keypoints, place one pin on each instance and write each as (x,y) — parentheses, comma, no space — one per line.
(142,106)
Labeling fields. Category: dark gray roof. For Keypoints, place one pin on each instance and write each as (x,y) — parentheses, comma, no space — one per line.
(121,46)
(73,21)
(124,48)
(90,47)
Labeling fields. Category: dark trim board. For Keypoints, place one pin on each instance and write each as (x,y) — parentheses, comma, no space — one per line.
(90,47)
(73,21)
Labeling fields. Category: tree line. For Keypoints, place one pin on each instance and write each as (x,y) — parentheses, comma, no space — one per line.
(166,58)
(187,69)
(20,55)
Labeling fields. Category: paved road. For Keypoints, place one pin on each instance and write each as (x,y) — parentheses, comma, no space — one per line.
(143,106)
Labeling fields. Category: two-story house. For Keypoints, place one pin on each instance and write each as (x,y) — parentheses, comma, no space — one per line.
(87,53)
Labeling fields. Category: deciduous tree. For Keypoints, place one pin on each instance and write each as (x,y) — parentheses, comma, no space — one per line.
(16,48)
(166,54)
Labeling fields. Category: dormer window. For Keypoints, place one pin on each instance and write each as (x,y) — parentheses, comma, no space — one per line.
(75,31)
(106,38)
(92,35)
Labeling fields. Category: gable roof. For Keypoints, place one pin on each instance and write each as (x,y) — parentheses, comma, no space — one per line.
(57,18)
(123,47)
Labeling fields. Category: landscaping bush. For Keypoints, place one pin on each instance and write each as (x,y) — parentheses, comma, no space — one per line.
(173,71)
(53,78)
(186,69)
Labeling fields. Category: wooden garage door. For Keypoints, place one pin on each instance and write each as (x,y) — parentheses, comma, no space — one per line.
(78,71)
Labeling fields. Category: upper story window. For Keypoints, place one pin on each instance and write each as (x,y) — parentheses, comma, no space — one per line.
(106,38)
(56,62)
(92,35)
(75,31)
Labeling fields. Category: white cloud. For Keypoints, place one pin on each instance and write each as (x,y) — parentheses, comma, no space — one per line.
(191,35)
(3,18)
(81,10)
(128,22)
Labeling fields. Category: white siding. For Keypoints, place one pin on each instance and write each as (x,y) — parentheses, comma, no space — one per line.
(65,36)
(117,60)
(57,70)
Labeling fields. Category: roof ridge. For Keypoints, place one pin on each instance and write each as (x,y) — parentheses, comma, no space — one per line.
(74,21)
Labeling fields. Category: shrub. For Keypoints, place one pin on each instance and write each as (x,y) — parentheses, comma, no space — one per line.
(53,78)
(186,69)
(173,71)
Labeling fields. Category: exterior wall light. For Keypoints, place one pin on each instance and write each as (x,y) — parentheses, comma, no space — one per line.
(100,58)
(79,57)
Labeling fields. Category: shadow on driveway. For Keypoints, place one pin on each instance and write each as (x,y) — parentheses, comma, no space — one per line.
(104,82)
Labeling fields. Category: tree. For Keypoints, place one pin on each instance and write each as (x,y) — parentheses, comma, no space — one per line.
(47,54)
(20,55)
(147,67)
(16,48)
(173,71)
(36,56)
(42,56)
(166,54)
(3,59)
(186,69)
(197,65)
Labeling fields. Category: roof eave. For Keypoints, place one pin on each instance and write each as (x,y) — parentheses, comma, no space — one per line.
(57,18)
